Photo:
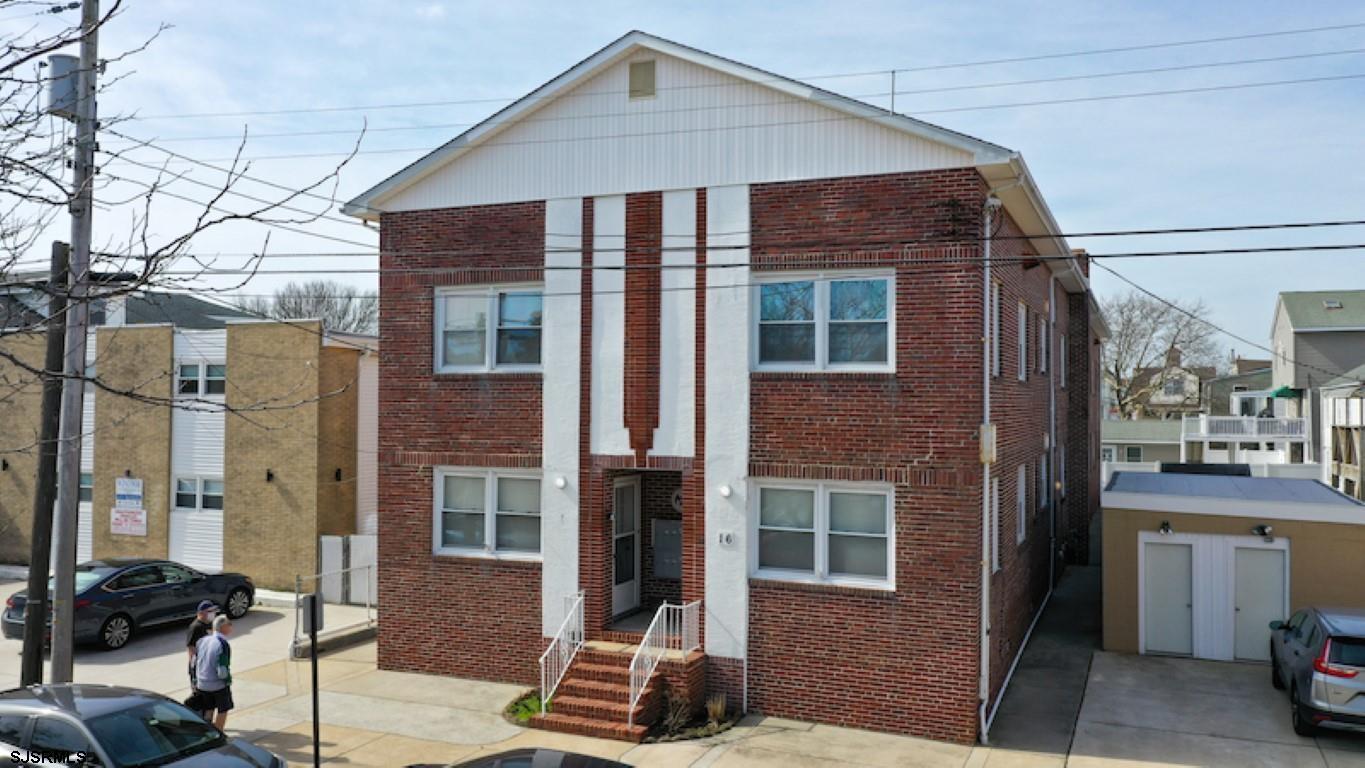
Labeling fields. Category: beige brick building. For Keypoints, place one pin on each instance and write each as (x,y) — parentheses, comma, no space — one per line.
(250,439)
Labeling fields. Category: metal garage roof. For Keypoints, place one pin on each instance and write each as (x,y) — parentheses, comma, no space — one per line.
(1259,489)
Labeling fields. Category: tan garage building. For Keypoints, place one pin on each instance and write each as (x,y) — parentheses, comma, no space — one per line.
(1199,565)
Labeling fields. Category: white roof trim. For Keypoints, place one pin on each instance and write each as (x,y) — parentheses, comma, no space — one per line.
(1212,505)
(366,204)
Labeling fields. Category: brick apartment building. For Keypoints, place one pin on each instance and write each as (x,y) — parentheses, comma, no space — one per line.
(248,436)
(674,330)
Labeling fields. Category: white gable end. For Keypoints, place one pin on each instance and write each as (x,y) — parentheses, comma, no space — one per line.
(703,128)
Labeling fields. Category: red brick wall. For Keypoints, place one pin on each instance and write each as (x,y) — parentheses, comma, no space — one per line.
(847,656)
(644,238)
(656,495)
(426,419)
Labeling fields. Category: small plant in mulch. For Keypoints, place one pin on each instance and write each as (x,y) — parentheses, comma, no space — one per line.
(523,708)
(677,723)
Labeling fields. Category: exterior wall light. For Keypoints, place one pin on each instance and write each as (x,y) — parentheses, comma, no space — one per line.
(1165,529)
(560,482)
(725,491)
(270,476)
(1263,531)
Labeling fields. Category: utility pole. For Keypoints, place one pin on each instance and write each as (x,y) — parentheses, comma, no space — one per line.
(44,495)
(78,314)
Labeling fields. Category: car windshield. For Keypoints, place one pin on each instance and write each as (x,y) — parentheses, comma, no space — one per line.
(154,732)
(87,576)
(1349,651)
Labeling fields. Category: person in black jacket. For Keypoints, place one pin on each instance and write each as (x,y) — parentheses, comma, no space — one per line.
(201,626)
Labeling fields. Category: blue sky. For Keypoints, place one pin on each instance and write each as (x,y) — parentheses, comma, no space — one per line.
(1286,153)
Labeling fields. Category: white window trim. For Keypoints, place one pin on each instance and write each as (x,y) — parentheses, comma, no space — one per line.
(822,280)
(1044,482)
(821,574)
(490,350)
(1023,341)
(995,525)
(1061,469)
(1044,337)
(1021,504)
(995,328)
(202,378)
(1128,448)
(1109,449)
(198,492)
(490,513)
(1061,361)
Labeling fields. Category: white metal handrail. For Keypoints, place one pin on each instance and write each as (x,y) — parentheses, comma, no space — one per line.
(674,628)
(554,663)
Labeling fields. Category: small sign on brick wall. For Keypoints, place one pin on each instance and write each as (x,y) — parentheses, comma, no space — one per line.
(128,522)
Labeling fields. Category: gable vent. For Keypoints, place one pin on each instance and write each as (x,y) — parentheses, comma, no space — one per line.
(641,79)
(1331,304)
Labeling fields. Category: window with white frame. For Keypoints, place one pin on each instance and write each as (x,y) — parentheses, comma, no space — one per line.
(201,378)
(86,490)
(819,322)
(1044,497)
(198,493)
(1023,341)
(1021,504)
(824,532)
(1061,469)
(1042,343)
(1107,453)
(1173,386)
(995,328)
(492,512)
(995,524)
(1061,360)
(488,328)
(1132,453)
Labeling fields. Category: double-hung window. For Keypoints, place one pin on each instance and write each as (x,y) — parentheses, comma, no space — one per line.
(487,512)
(198,493)
(1044,496)
(1042,343)
(1023,341)
(201,379)
(488,328)
(825,322)
(1021,504)
(1132,453)
(822,532)
(86,490)
(995,524)
(995,328)
(1062,353)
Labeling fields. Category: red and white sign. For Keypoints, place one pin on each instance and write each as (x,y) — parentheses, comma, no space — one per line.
(128,522)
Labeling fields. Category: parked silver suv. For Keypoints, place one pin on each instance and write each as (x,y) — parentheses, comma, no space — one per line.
(1319,654)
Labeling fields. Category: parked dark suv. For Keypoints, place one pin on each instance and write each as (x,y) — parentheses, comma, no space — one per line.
(117,596)
(1319,655)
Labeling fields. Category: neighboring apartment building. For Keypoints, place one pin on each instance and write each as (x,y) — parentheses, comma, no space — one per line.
(1173,390)
(578,424)
(1318,336)
(244,437)
(1343,433)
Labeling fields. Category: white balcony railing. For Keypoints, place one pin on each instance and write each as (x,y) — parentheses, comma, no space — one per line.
(674,628)
(565,645)
(1223,428)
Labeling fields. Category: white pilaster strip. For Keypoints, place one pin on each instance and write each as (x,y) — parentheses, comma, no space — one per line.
(675,434)
(609,435)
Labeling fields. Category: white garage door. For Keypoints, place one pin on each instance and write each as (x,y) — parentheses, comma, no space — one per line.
(197,538)
(1210,596)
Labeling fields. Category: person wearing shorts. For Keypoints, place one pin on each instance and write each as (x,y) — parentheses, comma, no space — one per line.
(213,672)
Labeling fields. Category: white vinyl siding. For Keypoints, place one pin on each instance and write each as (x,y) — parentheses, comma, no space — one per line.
(489,513)
(196,529)
(1021,504)
(839,322)
(1023,342)
(488,328)
(836,533)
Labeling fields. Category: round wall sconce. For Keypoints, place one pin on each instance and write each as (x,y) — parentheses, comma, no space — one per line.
(560,482)
(725,491)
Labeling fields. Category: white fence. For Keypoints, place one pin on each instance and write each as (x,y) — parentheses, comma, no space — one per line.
(1218,428)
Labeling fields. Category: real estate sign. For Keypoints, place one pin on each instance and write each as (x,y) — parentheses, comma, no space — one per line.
(128,492)
(128,517)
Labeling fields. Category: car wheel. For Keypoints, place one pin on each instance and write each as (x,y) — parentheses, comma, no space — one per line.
(116,631)
(1302,725)
(238,601)
(1275,679)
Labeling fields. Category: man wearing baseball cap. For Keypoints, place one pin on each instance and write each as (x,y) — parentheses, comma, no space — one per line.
(201,626)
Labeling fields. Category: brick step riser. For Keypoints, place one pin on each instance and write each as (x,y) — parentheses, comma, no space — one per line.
(601,730)
(594,689)
(609,712)
(604,658)
(599,674)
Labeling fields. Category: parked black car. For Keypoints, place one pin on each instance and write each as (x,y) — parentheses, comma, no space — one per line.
(113,727)
(117,596)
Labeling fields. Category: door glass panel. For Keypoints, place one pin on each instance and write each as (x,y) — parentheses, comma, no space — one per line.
(625,559)
(1168,598)
(1259,600)
(625,510)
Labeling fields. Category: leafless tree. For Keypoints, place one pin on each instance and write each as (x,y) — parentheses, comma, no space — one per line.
(338,306)
(1144,332)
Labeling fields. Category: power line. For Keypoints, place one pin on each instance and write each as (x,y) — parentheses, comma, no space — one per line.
(922,68)
(812,121)
(752,105)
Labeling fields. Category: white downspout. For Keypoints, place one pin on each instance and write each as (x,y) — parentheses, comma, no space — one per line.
(1052,452)
(987,359)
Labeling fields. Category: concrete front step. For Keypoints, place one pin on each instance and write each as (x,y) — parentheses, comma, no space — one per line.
(582,726)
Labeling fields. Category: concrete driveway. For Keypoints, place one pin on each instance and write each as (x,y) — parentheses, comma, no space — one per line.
(1148,710)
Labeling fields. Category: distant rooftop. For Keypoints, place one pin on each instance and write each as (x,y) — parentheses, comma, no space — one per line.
(1251,489)
(1325,309)
(1140,431)
(179,310)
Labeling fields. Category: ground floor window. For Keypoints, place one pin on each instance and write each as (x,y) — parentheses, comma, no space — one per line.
(483,511)
(824,532)
(198,493)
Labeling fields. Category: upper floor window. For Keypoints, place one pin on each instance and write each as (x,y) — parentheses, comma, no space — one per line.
(995,328)
(87,487)
(201,379)
(840,323)
(1023,341)
(198,493)
(488,328)
(482,511)
(824,532)
(1174,387)
(1062,352)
